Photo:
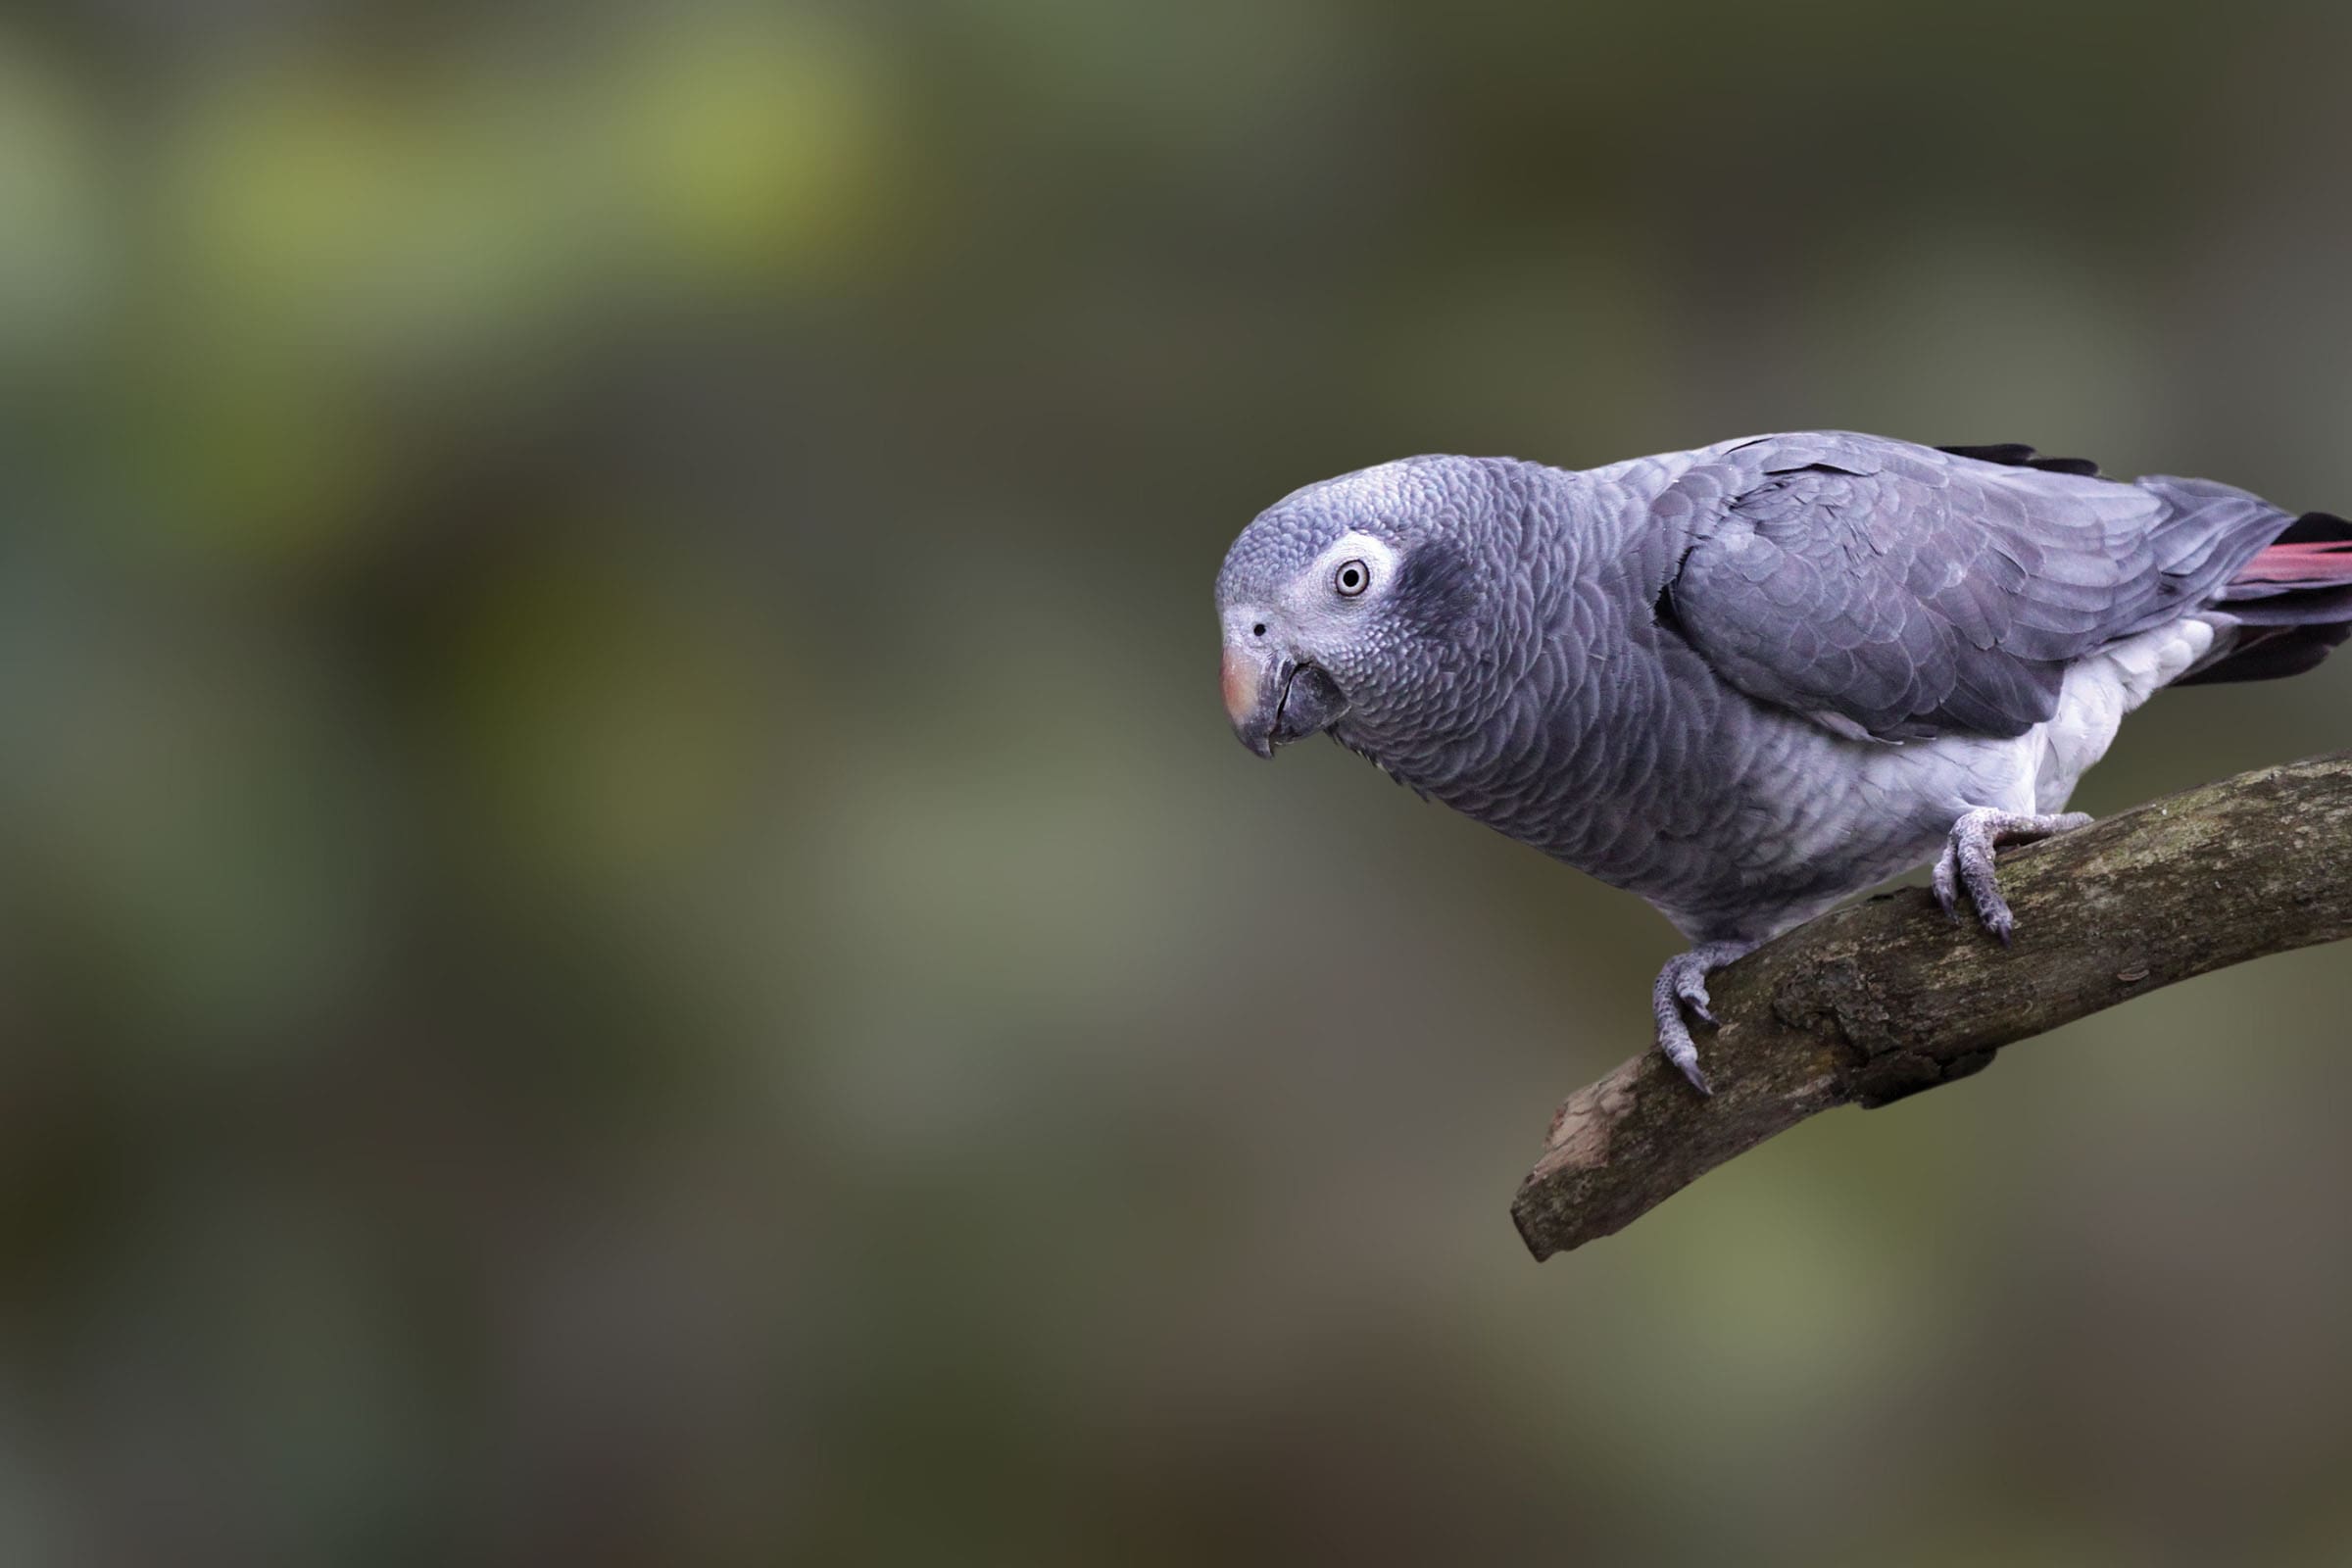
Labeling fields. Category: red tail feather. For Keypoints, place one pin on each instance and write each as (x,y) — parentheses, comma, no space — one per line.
(2318,563)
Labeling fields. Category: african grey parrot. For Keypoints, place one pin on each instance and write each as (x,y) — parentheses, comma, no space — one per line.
(1749,680)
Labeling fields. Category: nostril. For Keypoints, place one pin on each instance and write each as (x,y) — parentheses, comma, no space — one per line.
(1259,630)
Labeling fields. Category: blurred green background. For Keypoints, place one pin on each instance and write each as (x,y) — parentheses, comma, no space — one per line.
(629,930)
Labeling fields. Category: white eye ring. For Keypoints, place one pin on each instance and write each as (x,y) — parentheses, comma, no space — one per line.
(1352,579)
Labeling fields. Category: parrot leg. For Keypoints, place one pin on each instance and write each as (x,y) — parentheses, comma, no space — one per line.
(1967,860)
(1683,983)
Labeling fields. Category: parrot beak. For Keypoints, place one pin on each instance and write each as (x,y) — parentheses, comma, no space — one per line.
(1273,702)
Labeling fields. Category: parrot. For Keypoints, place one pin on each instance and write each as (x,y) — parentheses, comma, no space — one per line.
(1749,680)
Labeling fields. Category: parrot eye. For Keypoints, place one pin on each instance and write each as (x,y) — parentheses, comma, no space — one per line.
(1352,578)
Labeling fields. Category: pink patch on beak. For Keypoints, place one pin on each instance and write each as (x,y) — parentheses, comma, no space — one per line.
(1241,685)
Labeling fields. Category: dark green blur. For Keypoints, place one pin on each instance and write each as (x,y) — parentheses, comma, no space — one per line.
(630,932)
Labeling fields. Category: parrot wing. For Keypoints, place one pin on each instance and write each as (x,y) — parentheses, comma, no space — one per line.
(1900,591)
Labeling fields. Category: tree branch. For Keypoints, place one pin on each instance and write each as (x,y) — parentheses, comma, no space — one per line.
(1883,999)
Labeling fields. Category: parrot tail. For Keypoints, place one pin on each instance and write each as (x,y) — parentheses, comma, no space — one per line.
(2294,600)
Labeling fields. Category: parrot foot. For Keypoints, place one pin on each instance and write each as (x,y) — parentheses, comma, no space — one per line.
(1683,983)
(1967,860)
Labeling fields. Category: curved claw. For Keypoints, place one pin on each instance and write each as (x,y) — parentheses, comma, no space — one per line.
(1685,1056)
(1946,882)
(1691,988)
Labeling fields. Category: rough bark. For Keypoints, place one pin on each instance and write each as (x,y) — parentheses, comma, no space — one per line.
(1884,998)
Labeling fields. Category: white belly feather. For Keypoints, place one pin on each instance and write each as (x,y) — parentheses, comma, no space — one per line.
(2098,693)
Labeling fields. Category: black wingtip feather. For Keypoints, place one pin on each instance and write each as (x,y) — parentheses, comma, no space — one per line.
(2274,654)
(2017,455)
(2314,528)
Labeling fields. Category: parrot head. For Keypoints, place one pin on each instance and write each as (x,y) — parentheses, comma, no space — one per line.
(1356,601)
